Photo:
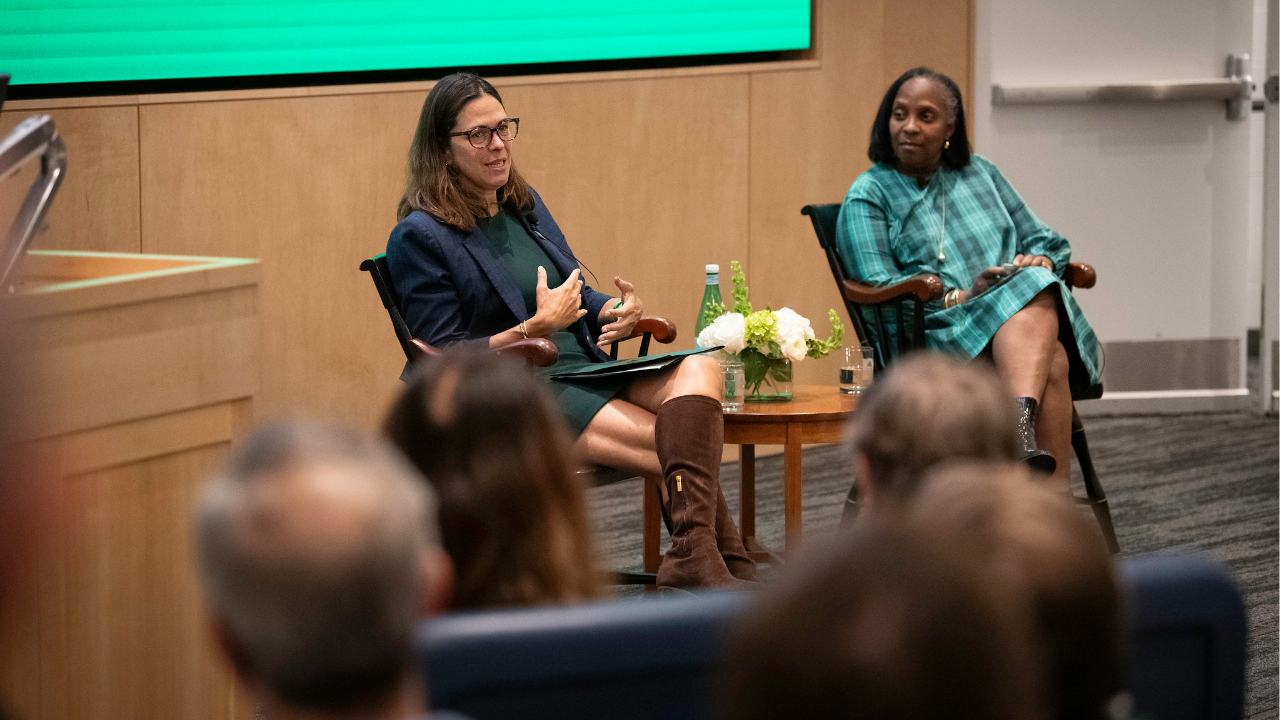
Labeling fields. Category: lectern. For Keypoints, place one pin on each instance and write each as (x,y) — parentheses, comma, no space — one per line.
(142,368)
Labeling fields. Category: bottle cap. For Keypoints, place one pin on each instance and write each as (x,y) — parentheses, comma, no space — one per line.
(713,269)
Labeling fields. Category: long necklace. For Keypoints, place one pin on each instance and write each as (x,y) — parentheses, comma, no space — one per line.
(942,231)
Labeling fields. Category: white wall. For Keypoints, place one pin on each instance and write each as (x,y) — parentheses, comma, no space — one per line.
(1157,196)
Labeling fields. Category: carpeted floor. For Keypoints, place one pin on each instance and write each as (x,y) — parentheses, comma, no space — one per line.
(1206,481)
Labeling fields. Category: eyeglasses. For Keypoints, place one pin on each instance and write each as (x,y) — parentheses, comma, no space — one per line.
(481,136)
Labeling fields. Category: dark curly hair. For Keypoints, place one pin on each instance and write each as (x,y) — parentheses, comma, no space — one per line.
(956,156)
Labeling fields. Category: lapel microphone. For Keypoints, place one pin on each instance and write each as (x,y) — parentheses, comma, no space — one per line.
(532,221)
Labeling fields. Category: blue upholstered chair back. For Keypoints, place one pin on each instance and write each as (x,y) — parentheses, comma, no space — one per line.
(652,658)
(1186,638)
(658,658)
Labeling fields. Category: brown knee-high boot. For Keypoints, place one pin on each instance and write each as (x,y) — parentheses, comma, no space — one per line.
(689,434)
(729,542)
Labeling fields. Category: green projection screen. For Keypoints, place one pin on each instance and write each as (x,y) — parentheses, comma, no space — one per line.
(92,41)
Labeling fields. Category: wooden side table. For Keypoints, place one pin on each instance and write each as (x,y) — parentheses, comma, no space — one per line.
(816,414)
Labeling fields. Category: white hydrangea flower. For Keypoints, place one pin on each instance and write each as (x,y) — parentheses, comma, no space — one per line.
(793,332)
(728,330)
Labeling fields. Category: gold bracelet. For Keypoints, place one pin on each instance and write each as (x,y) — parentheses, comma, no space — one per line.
(524,330)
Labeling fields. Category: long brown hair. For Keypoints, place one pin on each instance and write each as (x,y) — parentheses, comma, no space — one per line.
(513,517)
(437,188)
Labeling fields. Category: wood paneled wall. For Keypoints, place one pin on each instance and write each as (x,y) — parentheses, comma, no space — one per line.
(651,174)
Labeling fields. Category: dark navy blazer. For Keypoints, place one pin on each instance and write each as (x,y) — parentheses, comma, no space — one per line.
(454,289)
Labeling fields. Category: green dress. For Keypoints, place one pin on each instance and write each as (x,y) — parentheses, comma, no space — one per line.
(890,229)
(579,400)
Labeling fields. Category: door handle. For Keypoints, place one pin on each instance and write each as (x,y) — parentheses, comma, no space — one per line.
(1235,90)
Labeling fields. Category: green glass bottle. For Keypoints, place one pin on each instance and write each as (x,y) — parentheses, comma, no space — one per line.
(710,295)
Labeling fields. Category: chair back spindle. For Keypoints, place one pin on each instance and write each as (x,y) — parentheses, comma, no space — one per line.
(871,321)
(376,266)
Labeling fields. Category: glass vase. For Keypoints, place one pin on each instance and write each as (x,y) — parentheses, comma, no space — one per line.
(768,379)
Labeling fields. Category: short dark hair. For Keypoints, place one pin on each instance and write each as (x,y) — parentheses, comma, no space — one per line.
(890,623)
(324,620)
(955,156)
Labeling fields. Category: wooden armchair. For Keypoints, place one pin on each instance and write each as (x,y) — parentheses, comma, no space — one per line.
(541,352)
(891,320)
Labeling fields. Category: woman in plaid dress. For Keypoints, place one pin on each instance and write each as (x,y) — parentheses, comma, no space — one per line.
(930,206)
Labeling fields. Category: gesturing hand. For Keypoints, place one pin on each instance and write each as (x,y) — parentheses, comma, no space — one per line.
(621,319)
(558,307)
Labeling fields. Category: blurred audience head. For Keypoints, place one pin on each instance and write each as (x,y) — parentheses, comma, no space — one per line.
(889,624)
(928,408)
(1036,542)
(318,553)
(488,437)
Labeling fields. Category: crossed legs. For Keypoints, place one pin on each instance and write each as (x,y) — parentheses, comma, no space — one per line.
(1033,363)
(667,427)
(621,435)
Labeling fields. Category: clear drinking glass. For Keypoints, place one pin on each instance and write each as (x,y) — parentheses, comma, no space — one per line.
(735,385)
(857,369)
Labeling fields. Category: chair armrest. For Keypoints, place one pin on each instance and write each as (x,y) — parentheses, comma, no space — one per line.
(647,328)
(662,330)
(925,287)
(538,352)
(423,350)
(1080,275)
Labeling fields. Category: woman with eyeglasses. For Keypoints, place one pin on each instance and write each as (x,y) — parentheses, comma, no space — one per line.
(929,205)
(477,258)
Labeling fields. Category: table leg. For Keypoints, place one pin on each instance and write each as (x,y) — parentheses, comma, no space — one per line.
(791,487)
(747,491)
(652,534)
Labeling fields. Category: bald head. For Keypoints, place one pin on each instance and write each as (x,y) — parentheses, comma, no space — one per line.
(314,546)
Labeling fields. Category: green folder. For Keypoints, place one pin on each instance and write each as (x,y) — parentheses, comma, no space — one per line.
(629,365)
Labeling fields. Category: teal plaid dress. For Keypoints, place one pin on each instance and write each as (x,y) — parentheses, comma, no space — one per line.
(889,230)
